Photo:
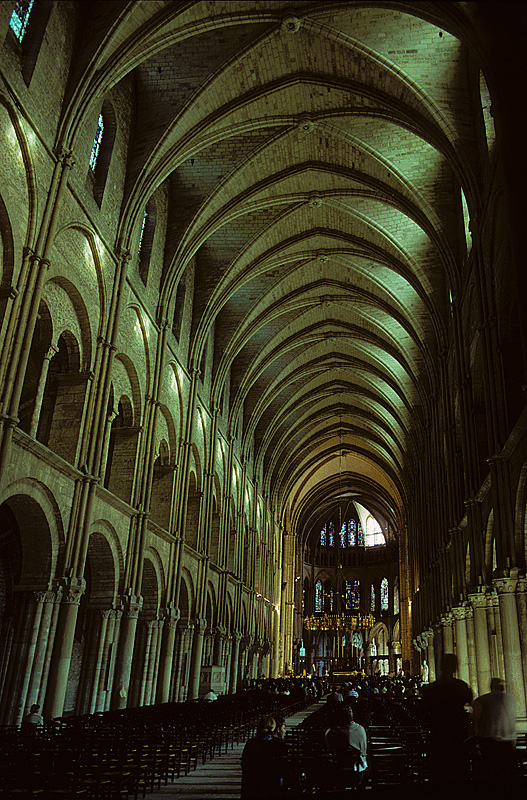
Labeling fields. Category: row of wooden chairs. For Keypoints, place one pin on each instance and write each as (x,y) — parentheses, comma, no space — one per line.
(123,755)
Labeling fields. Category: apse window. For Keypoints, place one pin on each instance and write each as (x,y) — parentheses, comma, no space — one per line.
(96,146)
(20,18)
(374,535)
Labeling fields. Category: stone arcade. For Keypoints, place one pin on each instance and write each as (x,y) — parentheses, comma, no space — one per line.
(262,284)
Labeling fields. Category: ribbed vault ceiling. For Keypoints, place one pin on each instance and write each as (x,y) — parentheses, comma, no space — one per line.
(314,154)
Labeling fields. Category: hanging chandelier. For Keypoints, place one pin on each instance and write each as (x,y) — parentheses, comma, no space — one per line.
(339,622)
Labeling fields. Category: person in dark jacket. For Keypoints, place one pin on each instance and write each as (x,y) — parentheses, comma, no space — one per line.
(264,764)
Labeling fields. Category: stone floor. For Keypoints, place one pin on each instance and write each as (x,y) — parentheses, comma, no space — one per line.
(220,778)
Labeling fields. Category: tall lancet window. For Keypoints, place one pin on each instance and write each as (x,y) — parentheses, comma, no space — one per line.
(20,18)
(96,146)
(319,598)
(384,594)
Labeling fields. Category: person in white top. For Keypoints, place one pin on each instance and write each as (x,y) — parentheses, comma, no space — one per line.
(347,742)
(494,720)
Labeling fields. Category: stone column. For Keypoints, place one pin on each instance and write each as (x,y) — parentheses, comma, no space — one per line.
(55,611)
(219,638)
(146,677)
(430,654)
(35,416)
(461,643)
(506,587)
(448,637)
(496,649)
(200,626)
(125,650)
(235,655)
(61,658)
(102,701)
(101,639)
(471,645)
(481,641)
(166,659)
(521,597)
(49,600)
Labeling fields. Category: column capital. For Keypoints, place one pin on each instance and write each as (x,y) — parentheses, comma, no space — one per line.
(505,585)
(200,625)
(478,600)
(72,589)
(459,612)
(521,585)
(447,619)
(132,605)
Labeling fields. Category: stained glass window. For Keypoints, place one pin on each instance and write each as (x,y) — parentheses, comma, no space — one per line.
(352,536)
(318,596)
(323,540)
(145,218)
(384,594)
(331,534)
(360,536)
(356,639)
(349,595)
(356,595)
(396,596)
(96,147)
(20,18)
(372,600)
(332,600)
(343,535)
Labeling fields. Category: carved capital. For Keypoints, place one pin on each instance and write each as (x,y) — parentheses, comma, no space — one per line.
(200,625)
(132,605)
(505,585)
(521,586)
(72,590)
(459,612)
(446,619)
(478,600)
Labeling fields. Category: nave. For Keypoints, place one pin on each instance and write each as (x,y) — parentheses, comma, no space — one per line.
(194,751)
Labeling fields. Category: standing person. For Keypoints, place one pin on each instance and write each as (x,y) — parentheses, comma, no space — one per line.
(495,727)
(444,706)
(264,765)
(347,742)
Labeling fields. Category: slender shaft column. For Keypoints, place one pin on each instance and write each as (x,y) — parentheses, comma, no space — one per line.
(35,416)
(181,682)
(108,661)
(123,666)
(55,612)
(471,645)
(101,638)
(41,648)
(148,664)
(235,654)
(200,625)
(448,637)
(166,659)
(62,648)
(521,596)
(461,643)
(511,640)
(430,655)
(481,641)
(30,655)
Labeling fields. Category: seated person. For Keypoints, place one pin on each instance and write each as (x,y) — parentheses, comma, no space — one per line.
(264,764)
(346,740)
